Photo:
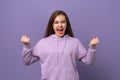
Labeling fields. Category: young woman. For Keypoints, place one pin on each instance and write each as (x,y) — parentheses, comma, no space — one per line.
(59,51)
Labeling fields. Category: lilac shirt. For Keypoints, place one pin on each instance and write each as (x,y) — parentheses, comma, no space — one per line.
(58,57)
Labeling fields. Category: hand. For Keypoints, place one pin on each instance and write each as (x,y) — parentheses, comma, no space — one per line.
(94,41)
(25,40)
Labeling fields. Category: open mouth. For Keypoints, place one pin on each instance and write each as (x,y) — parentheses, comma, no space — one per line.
(60,31)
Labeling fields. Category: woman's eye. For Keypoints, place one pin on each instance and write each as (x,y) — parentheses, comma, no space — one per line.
(56,22)
(63,21)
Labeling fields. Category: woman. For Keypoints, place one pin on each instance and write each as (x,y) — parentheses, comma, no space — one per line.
(58,52)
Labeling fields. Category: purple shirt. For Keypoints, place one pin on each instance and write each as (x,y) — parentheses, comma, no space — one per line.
(58,57)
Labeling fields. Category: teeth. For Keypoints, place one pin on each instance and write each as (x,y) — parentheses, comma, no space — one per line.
(59,29)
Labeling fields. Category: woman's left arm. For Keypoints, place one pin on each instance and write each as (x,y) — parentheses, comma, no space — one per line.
(89,56)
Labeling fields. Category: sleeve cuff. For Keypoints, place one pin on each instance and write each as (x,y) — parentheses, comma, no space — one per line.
(92,48)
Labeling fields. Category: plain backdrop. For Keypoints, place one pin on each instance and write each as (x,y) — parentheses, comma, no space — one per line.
(88,18)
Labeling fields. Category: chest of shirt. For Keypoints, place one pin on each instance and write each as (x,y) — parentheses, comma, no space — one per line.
(57,48)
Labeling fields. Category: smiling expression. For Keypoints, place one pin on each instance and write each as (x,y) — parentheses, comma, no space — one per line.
(59,25)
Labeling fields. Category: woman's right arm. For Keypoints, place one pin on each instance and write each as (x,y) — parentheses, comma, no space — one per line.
(27,53)
(28,56)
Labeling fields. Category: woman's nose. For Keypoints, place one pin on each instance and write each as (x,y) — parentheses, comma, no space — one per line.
(60,24)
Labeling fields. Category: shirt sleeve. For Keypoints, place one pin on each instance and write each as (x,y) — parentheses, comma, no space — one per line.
(29,55)
(86,56)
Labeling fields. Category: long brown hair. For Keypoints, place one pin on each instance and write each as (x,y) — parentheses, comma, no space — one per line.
(49,29)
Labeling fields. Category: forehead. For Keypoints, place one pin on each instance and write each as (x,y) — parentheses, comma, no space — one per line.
(60,17)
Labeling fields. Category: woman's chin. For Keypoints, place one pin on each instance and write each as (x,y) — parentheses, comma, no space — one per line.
(60,34)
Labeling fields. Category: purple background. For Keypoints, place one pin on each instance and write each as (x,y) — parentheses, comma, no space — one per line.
(88,18)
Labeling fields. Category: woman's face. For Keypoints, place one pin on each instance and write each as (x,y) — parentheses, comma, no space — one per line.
(60,25)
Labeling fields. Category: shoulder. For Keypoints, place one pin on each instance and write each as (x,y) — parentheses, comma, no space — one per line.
(45,40)
(42,40)
(41,43)
(73,39)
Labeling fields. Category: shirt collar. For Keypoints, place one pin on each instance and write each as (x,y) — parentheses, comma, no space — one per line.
(55,36)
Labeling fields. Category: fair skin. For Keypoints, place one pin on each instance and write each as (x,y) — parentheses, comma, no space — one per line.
(59,27)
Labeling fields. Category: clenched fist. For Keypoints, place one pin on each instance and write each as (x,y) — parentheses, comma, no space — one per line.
(94,41)
(25,40)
